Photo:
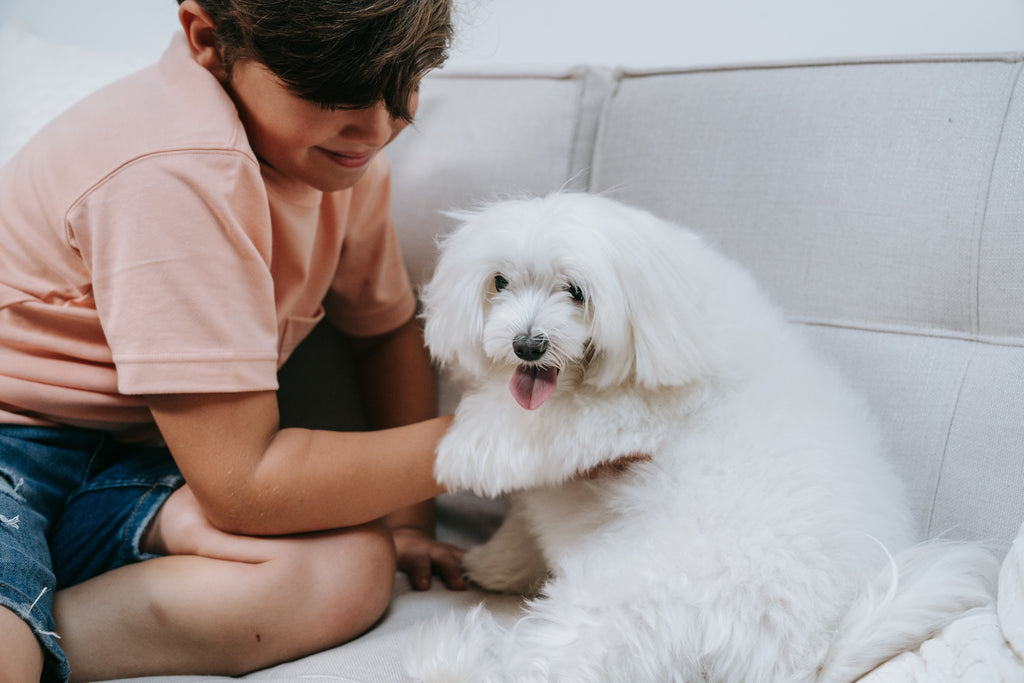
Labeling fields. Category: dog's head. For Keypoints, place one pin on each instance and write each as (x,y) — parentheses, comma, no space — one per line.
(569,289)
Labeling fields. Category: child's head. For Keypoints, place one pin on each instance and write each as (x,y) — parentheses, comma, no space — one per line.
(320,85)
(338,53)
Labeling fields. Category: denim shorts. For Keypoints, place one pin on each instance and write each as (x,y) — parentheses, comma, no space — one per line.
(74,503)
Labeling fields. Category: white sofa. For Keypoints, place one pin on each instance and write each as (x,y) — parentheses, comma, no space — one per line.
(881,202)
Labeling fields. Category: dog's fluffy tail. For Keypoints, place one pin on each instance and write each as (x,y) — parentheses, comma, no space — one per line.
(926,588)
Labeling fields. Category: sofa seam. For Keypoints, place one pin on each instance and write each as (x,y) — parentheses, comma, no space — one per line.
(976,322)
(924,333)
(616,77)
(568,73)
(881,60)
(595,85)
(945,444)
(983,224)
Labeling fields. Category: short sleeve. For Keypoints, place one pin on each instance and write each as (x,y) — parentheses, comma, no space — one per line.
(371,293)
(178,245)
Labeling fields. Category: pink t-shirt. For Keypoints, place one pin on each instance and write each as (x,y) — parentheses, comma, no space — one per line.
(144,250)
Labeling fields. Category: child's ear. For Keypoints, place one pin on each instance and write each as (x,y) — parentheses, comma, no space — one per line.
(201,34)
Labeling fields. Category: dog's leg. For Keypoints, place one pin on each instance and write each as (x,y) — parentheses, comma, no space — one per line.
(561,640)
(511,561)
(459,649)
(562,644)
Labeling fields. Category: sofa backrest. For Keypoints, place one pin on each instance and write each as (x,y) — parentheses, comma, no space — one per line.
(880,202)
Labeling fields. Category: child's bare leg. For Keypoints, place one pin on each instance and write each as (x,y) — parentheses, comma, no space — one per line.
(23,657)
(233,604)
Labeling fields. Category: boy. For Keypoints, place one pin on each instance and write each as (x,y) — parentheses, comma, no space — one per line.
(164,246)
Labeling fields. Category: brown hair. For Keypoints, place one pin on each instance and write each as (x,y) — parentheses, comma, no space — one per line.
(346,54)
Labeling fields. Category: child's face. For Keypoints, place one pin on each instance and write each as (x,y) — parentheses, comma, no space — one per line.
(327,149)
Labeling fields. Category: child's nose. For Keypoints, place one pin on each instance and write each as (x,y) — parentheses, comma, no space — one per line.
(372,125)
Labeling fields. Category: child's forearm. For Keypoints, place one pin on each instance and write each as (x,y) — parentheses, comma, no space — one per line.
(396,377)
(361,477)
(250,478)
(419,516)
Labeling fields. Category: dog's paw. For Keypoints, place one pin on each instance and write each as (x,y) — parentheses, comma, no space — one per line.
(511,560)
(453,467)
(519,573)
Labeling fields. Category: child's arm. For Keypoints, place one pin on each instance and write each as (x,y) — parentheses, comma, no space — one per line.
(252,478)
(396,377)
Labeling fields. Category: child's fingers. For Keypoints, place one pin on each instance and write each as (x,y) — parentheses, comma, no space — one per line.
(417,568)
(448,564)
(420,557)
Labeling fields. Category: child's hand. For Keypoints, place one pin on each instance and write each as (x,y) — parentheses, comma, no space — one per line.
(421,556)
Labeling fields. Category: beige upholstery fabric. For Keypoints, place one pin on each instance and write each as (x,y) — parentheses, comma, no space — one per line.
(856,192)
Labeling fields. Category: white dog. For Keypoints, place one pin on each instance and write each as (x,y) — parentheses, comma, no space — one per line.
(764,540)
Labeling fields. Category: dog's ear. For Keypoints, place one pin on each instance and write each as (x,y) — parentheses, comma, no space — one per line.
(453,301)
(650,318)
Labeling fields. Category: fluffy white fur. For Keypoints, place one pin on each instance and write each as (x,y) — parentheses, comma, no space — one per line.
(766,540)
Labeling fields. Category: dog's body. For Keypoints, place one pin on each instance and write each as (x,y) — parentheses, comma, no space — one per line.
(752,546)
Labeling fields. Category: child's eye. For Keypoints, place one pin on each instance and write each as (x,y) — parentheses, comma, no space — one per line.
(500,282)
(575,292)
(332,106)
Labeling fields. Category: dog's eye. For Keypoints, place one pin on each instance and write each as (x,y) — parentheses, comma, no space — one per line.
(500,282)
(575,292)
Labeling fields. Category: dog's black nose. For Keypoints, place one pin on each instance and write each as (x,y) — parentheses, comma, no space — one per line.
(530,348)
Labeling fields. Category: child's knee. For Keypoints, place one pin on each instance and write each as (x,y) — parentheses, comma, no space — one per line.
(23,658)
(369,553)
(351,574)
(375,573)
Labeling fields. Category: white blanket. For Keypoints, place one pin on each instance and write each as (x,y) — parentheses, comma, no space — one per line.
(985,645)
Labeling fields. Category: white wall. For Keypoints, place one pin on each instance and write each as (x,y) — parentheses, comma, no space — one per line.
(638,33)
(140,26)
(682,32)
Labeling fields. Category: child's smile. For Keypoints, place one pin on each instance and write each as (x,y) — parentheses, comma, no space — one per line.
(328,149)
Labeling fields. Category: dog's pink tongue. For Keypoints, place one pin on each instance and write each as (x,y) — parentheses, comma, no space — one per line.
(531,385)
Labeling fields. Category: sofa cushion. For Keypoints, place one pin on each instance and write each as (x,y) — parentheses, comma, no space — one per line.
(880,203)
(856,192)
(482,137)
(1001,277)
